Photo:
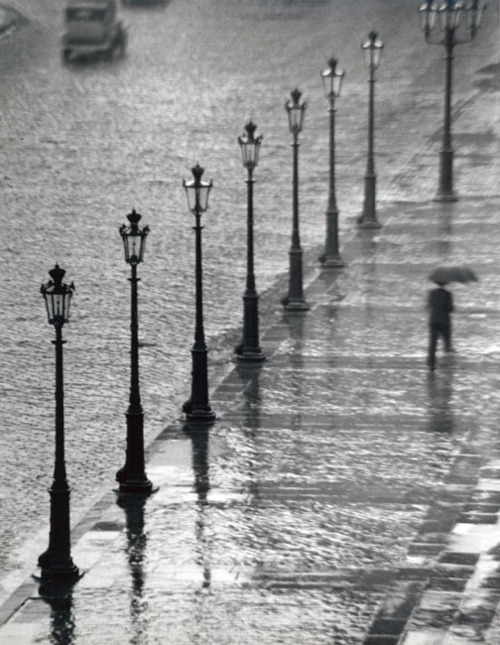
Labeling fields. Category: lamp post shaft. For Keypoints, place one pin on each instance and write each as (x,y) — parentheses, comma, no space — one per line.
(445,190)
(56,562)
(368,218)
(198,407)
(332,199)
(331,257)
(135,396)
(250,281)
(250,349)
(132,477)
(370,166)
(200,332)
(295,300)
(60,465)
(295,198)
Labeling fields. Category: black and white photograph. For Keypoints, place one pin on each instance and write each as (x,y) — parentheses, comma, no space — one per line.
(250,322)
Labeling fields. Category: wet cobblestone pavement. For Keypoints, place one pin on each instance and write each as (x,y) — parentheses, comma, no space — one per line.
(345,495)
(273,527)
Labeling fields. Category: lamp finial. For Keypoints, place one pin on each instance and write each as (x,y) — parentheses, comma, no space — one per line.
(57,275)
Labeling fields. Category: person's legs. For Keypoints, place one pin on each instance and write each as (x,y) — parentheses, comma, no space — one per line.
(446,331)
(431,356)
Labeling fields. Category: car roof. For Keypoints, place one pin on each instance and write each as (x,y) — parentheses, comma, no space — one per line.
(90,4)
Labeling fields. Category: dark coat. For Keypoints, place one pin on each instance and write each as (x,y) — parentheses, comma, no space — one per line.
(440,305)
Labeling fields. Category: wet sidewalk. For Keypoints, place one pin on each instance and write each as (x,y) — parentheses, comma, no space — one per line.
(345,494)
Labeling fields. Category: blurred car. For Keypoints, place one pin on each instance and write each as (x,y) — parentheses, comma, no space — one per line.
(92,29)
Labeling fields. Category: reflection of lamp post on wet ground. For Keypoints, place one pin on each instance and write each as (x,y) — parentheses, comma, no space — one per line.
(332,81)
(372,48)
(199,441)
(295,301)
(56,562)
(198,407)
(62,620)
(200,460)
(450,16)
(134,507)
(249,350)
(132,477)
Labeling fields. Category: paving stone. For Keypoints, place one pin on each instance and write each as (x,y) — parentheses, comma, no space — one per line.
(432,618)
(388,626)
(472,538)
(478,518)
(447,584)
(424,637)
(459,558)
(381,639)
(425,548)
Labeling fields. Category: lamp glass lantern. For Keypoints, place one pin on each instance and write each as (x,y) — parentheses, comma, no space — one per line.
(450,15)
(296,111)
(428,11)
(57,296)
(250,146)
(197,191)
(372,50)
(134,239)
(474,14)
(332,79)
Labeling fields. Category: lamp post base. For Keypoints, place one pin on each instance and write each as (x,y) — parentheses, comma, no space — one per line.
(368,218)
(331,257)
(445,197)
(137,487)
(331,261)
(132,476)
(249,351)
(445,191)
(368,223)
(249,355)
(294,304)
(137,484)
(55,570)
(198,413)
(294,300)
(202,417)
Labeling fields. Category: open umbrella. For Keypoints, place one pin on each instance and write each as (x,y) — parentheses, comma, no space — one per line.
(452,274)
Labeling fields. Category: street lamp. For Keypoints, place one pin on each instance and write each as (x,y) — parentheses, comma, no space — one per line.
(295,301)
(198,407)
(452,15)
(132,477)
(372,49)
(249,350)
(332,81)
(56,562)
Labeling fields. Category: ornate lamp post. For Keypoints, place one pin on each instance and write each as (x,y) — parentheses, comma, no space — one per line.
(332,81)
(372,48)
(132,477)
(454,18)
(295,301)
(198,407)
(56,562)
(249,350)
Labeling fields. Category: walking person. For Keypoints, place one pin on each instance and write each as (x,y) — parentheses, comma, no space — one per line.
(440,306)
